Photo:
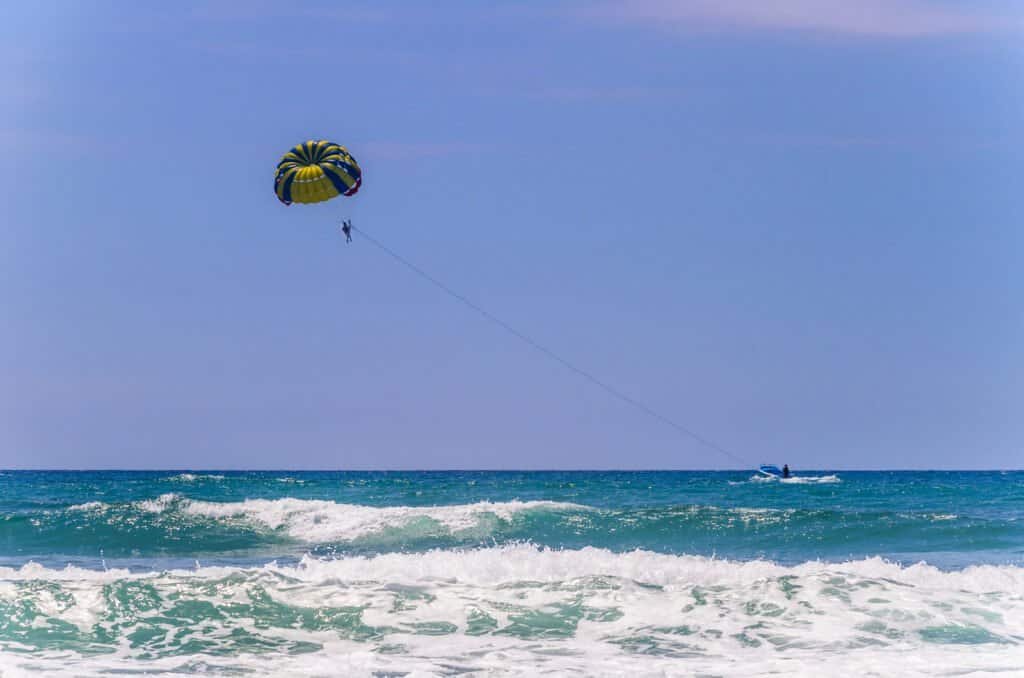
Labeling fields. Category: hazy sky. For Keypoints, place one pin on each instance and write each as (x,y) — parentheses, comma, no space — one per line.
(796,227)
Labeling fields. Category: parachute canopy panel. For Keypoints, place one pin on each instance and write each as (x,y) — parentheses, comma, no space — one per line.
(316,171)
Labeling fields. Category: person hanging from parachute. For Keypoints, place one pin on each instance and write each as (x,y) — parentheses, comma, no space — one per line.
(317,171)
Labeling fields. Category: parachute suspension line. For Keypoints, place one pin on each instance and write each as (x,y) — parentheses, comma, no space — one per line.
(608,388)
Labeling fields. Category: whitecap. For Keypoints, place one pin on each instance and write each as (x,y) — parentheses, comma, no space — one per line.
(321,521)
(193,477)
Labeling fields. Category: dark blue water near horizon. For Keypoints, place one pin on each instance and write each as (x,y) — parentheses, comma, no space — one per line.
(160,519)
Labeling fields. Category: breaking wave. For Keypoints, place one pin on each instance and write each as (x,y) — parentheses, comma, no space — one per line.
(514,610)
(171,524)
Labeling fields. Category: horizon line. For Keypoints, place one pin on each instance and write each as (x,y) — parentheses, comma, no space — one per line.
(498,470)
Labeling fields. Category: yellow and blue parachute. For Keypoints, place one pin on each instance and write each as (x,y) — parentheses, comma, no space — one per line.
(316,171)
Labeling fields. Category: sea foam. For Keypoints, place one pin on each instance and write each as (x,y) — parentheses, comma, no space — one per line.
(316,521)
(519,609)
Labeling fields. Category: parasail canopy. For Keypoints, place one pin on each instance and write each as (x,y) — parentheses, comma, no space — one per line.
(316,171)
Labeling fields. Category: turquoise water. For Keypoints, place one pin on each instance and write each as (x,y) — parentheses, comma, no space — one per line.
(950,520)
(190,572)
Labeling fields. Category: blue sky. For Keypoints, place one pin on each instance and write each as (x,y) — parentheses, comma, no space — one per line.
(794,227)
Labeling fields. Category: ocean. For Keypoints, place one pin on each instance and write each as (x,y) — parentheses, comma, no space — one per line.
(285,573)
